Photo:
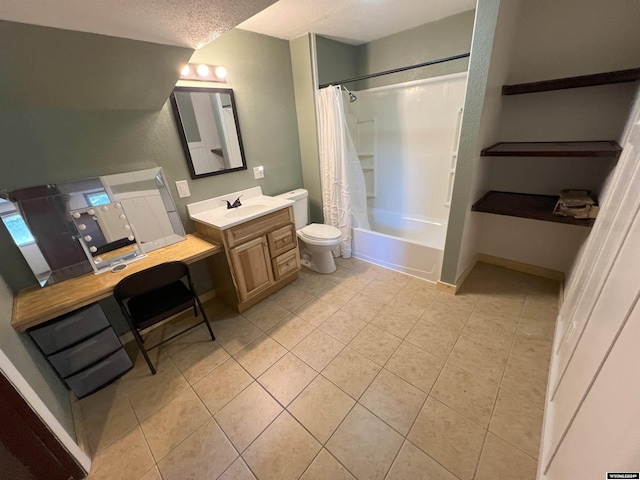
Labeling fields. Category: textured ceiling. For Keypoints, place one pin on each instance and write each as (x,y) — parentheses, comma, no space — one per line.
(184,23)
(350,21)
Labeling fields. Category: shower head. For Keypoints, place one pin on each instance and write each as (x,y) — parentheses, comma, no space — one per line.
(352,97)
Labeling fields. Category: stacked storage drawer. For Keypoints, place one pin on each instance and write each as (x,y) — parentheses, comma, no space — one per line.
(83,348)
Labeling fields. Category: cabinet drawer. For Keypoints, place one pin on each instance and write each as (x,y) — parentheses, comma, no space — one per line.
(258,227)
(91,350)
(286,263)
(96,377)
(282,240)
(70,329)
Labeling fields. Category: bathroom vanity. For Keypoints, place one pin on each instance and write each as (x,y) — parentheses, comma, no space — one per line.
(260,244)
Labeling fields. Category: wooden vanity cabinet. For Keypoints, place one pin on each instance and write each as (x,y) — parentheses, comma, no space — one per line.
(261,257)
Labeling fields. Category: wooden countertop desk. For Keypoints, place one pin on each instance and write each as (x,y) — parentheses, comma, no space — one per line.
(34,305)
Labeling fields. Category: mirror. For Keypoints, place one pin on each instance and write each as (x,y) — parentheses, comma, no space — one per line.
(208,126)
(43,224)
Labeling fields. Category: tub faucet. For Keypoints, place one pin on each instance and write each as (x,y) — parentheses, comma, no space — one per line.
(235,204)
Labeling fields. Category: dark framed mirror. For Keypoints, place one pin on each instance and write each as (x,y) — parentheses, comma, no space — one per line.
(208,125)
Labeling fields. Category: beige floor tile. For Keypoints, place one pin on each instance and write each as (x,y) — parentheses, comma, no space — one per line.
(342,326)
(348,263)
(321,407)
(541,307)
(518,422)
(153,474)
(314,283)
(290,332)
(380,290)
(466,393)
(326,467)
(526,379)
(221,385)
(501,460)
(168,329)
(247,415)
(237,471)
(292,297)
(235,333)
(357,279)
(375,344)
(391,277)
(437,338)
(318,349)
(266,315)
(479,358)
(131,455)
(174,422)
(283,451)
(206,453)
(363,307)
(394,401)
(421,287)
(413,464)
(337,295)
(536,327)
(259,355)
(287,378)
(454,319)
(365,444)
(351,372)
(199,358)
(316,311)
(107,416)
(506,310)
(413,303)
(416,366)
(150,392)
(459,306)
(449,438)
(493,333)
(532,348)
(394,321)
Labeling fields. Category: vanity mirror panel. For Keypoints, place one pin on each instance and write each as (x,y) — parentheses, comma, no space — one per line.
(45,222)
(208,126)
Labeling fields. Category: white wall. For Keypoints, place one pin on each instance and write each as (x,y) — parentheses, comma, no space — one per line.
(592,409)
(577,39)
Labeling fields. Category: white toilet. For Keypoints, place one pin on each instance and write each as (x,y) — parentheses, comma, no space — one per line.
(316,240)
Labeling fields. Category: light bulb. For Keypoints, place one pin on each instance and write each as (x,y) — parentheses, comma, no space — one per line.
(131,238)
(185,71)
(87,238)
(203,70)
(82,226)
(91,211)
(93,250)
(221,72)
(76,215)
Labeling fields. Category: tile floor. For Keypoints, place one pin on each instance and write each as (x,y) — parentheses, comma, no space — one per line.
(365,373)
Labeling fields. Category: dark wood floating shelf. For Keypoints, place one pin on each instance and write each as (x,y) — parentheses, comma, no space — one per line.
(525,205)
(605,148)
(605,78)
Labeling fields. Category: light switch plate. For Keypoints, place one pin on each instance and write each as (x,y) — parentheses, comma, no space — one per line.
(258,172)
(183,188)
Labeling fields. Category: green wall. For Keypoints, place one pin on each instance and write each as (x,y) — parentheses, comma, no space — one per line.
(47,145)
(443,38)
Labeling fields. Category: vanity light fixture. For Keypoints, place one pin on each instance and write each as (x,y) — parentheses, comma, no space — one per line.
(204,73)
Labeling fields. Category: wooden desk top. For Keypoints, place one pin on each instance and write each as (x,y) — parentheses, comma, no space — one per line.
(34,305)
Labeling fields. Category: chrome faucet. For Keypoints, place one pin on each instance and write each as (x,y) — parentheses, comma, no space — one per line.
(235,204)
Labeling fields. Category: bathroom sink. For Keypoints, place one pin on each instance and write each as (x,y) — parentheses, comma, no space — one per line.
(213,212)
(246,210)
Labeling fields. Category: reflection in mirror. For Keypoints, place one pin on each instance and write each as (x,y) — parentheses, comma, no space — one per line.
(208,126)
(106,236)
(41,220)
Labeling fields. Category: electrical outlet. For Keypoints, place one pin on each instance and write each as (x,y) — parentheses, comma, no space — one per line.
(258,172)
(183,188)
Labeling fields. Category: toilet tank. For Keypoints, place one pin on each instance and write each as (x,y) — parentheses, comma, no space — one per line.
(300,208)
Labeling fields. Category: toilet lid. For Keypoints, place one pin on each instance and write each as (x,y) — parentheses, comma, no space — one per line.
(319,231)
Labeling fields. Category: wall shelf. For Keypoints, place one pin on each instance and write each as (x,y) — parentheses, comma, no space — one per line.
(606,148)
(524,205)
(605,78)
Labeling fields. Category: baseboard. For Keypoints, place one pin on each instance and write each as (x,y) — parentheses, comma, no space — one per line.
(78,424)
(127,337)
(521,267)
(453,289)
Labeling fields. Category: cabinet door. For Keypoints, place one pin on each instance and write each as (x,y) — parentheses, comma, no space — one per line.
(252,267)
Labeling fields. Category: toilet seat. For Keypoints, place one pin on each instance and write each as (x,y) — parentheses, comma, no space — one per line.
(320,234)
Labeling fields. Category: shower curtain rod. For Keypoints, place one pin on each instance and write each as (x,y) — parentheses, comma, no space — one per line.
(397,70)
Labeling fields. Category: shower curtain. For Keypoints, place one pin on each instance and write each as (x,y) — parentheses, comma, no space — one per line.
(344,200)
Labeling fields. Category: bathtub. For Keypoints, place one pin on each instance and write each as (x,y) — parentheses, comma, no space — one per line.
(407,244)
